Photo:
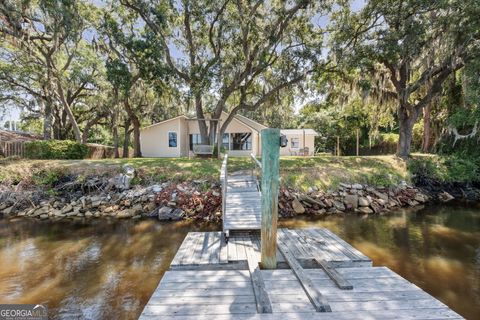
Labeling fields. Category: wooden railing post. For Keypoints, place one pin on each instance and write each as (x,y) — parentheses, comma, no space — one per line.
(270,181)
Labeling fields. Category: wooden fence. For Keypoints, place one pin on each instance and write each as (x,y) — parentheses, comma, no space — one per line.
(11,149)
(95,151)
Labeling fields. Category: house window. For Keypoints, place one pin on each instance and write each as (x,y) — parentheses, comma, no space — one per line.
(226,141)
(195,139)
(295,142)
(241,141)
(172,139)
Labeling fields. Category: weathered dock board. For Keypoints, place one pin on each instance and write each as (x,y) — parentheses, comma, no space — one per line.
(243,204)
(200,285)
(205,249)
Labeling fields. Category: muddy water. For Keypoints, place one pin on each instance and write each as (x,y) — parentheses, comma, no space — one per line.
(108,270)
(95,270)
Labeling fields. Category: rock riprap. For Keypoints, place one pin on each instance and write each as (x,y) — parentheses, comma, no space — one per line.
(349,198)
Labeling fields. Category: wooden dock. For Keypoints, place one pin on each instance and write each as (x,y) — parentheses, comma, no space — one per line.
(211,279)
(218,275)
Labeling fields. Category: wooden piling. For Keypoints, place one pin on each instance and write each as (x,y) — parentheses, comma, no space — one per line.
(338,146)
(270,182)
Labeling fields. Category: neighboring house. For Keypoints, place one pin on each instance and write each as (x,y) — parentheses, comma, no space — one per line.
(300,142)
(12,142)
(17,136)
(178,136)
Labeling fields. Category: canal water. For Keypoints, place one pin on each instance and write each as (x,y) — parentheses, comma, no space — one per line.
(109,269)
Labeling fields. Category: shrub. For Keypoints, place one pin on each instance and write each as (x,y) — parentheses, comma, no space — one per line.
(389,138)
(55,149)
(387,143)
(445,169)
(47,177)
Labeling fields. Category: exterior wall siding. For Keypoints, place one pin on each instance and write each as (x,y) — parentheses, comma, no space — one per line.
(154,140)
(309,142)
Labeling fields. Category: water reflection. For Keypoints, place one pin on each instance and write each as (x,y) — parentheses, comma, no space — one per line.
(97,270)
(108,270)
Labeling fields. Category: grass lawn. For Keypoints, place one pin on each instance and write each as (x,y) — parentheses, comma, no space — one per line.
(300,172)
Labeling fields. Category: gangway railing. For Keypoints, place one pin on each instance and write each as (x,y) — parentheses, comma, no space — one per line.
(257,169)
(224,181)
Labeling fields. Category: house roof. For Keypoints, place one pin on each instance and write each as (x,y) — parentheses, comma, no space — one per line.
(299,131)
(246,121)
(164,121)
(17,136)
(251,123)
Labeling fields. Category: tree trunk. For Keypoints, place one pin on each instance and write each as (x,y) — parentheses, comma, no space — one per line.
(85,133)
(222,128)
(47,121)
(116,154)
(57,126)
(70,115)
(219,139)
(88,126)
(137,153)
(126,140)
(338,147)
(73,122)
(406,121)
(202,124)
(426,128)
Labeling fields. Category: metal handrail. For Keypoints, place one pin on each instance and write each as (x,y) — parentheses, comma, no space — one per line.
(255,160)
(224,181)
(257,165)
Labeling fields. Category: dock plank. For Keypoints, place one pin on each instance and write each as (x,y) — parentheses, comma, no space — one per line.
(312,292)
(338,278)
(261,296)
(418,314)
(212,279)
(243,208)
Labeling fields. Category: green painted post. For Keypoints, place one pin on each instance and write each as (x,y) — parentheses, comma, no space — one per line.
(270,181)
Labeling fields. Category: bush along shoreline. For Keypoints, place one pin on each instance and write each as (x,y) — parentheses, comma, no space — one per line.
(76,197)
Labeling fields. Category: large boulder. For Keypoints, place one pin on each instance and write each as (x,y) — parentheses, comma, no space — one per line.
(363,202)
(381,202)
(338,205)
(58,213)
(122,181)
(351,201)
(126,213)
(365,210)
(42,210)
(167,213)
(298,207)
(380,195)
(8,211)
(307,199)
(420,197)
(66,209)
(445,196)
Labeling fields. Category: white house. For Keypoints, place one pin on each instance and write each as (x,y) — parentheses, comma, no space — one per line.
(177,137)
